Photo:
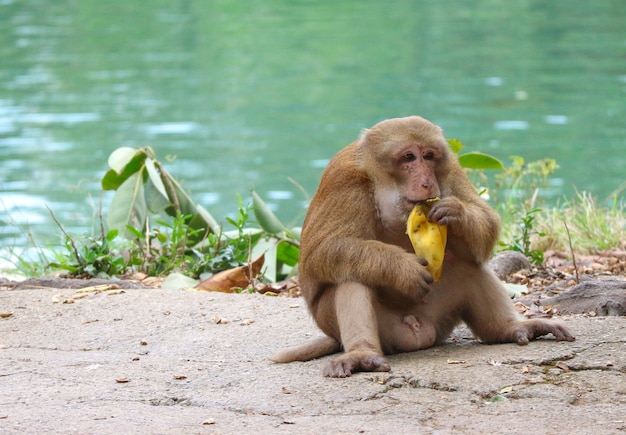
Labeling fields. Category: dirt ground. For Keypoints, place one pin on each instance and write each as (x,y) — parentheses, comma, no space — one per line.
(173,361)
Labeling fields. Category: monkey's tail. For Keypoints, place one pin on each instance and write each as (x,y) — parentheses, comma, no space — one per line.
(316,348)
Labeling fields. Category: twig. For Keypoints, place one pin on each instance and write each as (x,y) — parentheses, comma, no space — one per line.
(571,248)
(76,254)
(101,222)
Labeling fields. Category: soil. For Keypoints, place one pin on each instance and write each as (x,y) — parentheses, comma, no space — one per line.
(113,359)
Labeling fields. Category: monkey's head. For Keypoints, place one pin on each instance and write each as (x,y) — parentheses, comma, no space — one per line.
(405,157)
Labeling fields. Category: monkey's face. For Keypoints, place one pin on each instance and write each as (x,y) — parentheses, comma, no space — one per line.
(414,171)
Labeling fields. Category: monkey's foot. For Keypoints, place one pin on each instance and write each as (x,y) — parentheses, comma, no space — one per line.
(356,361)
(528,330)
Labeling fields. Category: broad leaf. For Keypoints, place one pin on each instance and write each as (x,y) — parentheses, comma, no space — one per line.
(155,177)
(113,179)
(269,248)
(478,160)
(128,206)
(265,217)
(121,157)
(288,253)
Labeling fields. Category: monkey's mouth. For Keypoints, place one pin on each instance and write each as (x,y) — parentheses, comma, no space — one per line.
(428,201)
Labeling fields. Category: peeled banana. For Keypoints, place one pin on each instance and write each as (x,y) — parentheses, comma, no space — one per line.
(428,239)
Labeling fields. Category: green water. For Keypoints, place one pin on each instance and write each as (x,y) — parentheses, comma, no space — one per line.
(248,93)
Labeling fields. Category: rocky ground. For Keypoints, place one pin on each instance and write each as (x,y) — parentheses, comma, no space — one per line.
(124,357)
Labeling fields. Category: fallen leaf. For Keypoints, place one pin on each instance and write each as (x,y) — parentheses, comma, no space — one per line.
(115,292)
(285,390)
(90,321)
(239,277)
(122,380)
(5,315)
(97,288)
(143,342)
(247,322)
(179,377)
(219,320)
(209,421)
(453,361)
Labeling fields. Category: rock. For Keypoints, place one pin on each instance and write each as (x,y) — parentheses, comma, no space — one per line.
(508,262)
(602,297)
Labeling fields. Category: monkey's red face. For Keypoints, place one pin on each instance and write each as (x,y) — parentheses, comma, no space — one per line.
(415,172)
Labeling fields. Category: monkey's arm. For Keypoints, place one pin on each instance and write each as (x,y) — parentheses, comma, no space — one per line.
(340,244)
(473,227)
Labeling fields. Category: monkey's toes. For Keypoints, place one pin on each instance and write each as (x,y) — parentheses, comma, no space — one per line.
(344,365)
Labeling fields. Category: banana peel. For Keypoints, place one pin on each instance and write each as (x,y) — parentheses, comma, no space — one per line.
(428,239)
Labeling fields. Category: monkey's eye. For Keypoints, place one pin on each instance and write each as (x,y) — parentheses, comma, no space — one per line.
(409,157)
(429,155)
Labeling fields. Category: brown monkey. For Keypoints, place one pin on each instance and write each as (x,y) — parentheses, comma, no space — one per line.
(365,287)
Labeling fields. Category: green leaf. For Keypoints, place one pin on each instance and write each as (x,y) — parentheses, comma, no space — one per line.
(209,219)
(113,178)
(456,145)
(269,248)
(121,157)
(155,201)
(478,160)
(288,253)
(128,206)
(265,217)
(155,177)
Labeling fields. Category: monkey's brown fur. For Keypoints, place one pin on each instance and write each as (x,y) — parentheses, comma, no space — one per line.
(365,287)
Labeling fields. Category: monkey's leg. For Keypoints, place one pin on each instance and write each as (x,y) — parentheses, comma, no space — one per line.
(491,316)
(356,316)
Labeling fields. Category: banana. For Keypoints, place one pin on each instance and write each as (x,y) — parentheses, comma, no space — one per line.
(428,239)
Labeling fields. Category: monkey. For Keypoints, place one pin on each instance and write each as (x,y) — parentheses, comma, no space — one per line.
(366,289)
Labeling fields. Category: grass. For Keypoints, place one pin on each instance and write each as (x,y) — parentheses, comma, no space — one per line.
(592,228)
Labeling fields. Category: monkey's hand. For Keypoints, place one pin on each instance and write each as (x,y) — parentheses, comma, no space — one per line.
(448,211)
(412,277)
(472,227)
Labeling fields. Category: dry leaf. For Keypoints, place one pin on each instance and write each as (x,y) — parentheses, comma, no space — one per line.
(180,377)
(247,322)
(5,315)
(453,361)
(239,277)
(285,390)
(97,288)
(115,292)
(143,342)
(220,320)
(122,380)
(209,421)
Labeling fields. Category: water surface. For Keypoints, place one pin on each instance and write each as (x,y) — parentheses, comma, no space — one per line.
(242,94)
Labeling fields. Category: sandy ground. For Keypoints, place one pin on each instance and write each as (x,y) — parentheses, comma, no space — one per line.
(173,361)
